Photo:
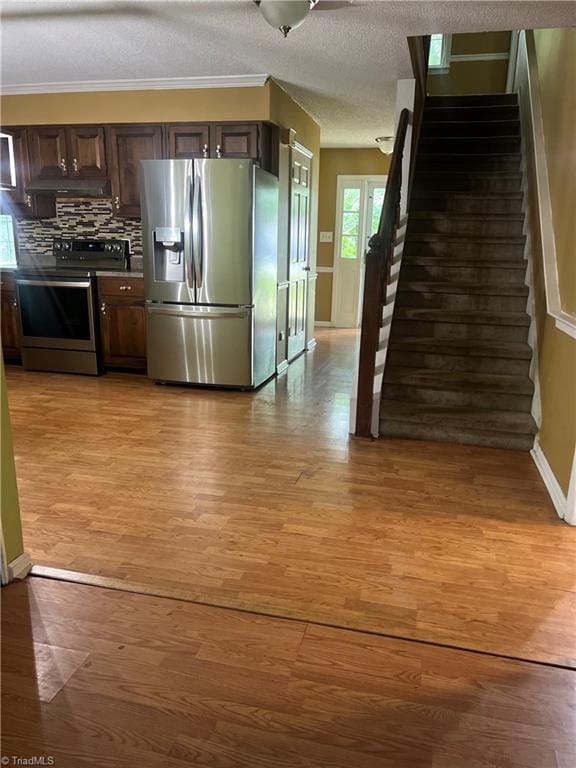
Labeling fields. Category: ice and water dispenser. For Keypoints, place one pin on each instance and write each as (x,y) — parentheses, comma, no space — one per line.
(169,264)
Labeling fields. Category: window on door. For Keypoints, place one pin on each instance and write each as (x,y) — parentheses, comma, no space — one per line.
(350,223)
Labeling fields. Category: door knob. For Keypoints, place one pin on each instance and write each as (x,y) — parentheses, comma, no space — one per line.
(306,269)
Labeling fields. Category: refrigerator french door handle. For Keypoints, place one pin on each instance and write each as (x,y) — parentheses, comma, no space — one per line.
(197,232)
(188,245)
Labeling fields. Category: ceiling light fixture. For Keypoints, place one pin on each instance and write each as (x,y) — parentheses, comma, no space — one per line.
(385,144)
(285,14)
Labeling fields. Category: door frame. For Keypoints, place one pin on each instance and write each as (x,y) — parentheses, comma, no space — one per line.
(342,181)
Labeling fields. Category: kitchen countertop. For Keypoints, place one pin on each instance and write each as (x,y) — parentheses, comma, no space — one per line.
(112,273)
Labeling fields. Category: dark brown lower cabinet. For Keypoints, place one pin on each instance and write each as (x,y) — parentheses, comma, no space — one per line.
(9,319)
(122,322)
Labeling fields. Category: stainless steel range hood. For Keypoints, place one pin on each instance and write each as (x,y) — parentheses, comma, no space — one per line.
(70,187)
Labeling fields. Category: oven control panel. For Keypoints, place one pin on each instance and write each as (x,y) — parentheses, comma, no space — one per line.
(95,254)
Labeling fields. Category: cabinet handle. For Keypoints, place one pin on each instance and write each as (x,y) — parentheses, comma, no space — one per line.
(205,150)
(63,164)
(29,201)
(218,150)
(103,307)
(117,203)
(75,165)
(15,303)
(125,287)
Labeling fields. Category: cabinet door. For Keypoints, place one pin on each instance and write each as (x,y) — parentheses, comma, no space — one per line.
(16,201)
(235,140)
(188,140)
(123,332)
(127,145)
(48,150)
(10,325)
(87,155)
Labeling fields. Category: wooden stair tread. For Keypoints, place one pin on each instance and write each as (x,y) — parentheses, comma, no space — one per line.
(458,380)
(474,347)
(472,216)
(462,316)
(469,418)
(458,238)
(483,289)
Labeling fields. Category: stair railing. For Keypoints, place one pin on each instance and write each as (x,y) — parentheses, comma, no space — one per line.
(376,278)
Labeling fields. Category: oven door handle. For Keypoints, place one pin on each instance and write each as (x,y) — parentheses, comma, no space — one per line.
(56,283)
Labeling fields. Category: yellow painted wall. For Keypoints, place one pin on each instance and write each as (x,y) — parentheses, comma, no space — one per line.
(556,350)
(10,512)
(334,163)
(556,52)
(193,104)
(474,76)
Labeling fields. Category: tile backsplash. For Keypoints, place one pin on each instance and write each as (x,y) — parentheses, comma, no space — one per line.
(84,219)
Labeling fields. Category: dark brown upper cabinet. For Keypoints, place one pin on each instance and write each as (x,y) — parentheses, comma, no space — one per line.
(86,151)
(76,151)
(235,140)
(127,145)
(48,149)
(188,140)
(16,201)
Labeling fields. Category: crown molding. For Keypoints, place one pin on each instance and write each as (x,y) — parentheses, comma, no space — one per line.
(155,84)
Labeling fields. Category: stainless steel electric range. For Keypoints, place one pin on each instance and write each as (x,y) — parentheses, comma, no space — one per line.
(57,303)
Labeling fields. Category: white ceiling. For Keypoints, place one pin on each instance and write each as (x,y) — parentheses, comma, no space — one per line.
(341,65)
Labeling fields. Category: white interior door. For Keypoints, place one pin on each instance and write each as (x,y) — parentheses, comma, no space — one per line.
(359,202)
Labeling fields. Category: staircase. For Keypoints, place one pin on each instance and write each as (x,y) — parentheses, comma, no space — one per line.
(458,359)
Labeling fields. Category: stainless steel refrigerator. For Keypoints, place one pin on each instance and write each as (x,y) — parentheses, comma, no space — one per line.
(209,231)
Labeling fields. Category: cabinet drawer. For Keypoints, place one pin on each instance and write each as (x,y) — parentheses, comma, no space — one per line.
(127,287)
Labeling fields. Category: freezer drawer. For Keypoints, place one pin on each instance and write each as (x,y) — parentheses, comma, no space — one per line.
(200,345)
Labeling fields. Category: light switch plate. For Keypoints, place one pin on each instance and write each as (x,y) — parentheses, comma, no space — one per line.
(326,237)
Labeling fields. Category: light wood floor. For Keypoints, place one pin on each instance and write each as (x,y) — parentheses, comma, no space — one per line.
(262,501)
(93,677)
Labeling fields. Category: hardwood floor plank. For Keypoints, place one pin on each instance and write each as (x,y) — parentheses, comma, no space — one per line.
(262,501)
(322,697)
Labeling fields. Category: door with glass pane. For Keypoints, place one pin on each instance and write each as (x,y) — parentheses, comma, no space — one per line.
(359,202)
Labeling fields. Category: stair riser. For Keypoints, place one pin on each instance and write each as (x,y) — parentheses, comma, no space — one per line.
(470,250)
(470,146)
(436,330)
(468,227)
(457,301)
(458,363)
(456,435)
(463,399)
(474,100)
(469,163)
(456,182)
(417,272)
(450,204)
(466,129)
(474,114)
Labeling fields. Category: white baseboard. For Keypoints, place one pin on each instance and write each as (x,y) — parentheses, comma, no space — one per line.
(20,567)
(323,323)
(281,367)
(558,499)
(310,344)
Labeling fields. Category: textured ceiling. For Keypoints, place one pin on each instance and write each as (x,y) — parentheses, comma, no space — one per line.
(341,65)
